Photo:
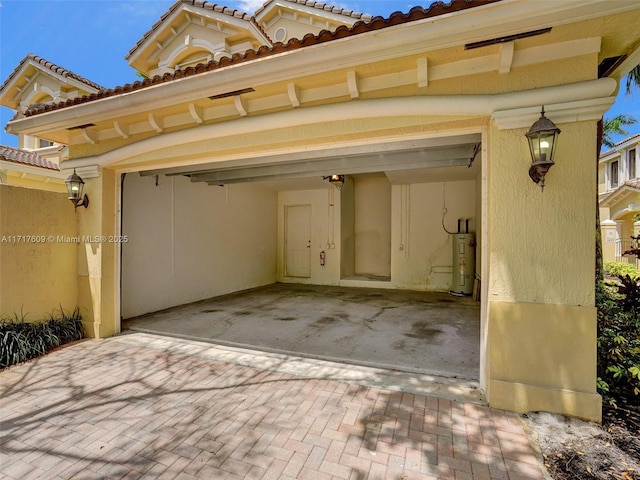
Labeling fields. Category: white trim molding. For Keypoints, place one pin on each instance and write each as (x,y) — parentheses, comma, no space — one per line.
(509,110)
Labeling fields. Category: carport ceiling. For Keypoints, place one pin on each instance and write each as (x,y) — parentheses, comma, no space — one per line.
(439,155)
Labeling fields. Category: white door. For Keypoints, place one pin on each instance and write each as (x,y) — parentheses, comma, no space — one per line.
(297,241)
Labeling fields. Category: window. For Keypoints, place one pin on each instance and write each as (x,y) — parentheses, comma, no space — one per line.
(631,163)
(613,174)
(44,143)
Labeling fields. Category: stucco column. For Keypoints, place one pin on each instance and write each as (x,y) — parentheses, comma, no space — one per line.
(541,313)
(96,257)
(609,232)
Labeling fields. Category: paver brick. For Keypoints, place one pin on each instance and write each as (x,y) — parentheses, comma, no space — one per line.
(295,465)
(335,469)
(278,453)
(315,458)
(357,463)
(373,455)
(159,411)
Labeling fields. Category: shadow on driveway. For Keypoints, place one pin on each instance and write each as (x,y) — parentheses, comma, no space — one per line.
(139,406)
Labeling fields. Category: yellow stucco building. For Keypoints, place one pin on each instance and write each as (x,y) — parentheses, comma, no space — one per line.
(215,167)
(619,200)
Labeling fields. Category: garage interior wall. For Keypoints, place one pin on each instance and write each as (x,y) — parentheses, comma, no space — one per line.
(196,241)
(372,227)
(347,229)
(40,276)
(420,249)
(190,241)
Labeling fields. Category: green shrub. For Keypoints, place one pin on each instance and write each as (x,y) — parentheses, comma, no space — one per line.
(619,340)
(619,269)
(21,340)
(67,326)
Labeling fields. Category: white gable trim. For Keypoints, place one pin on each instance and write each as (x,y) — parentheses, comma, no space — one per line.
(39,90)
(195,15)
(40,70)
(297,9)
(191,43)
(215,17)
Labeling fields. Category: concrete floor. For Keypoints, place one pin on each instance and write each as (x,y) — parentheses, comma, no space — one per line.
(419,332)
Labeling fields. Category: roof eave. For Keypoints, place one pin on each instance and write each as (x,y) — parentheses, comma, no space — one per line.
(613,197)
(445,30)
(311,10)
(628,64)
(19,72)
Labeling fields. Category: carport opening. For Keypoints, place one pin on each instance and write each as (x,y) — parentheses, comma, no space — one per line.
(201,233)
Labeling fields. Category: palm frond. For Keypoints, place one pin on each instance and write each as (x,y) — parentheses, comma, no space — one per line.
(633,79)
(615,126)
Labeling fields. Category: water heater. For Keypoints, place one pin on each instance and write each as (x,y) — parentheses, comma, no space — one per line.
(464,263)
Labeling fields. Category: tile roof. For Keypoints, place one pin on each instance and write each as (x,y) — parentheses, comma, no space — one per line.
(610,196)
(214,7)
(325,7)
(377,23)
(54,68)
(24,157)
(244,16)
(633,183)
(614,149)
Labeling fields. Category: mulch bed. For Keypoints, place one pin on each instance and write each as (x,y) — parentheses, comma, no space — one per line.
(612,454)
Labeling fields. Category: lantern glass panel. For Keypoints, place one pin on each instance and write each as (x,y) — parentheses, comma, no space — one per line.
(547,141)
(542,146)
(75,189)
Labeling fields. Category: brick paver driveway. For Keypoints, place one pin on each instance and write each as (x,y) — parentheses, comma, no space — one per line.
(126,408)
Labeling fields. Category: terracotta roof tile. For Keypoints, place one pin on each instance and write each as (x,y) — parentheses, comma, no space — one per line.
(377,23)
(325,7)
(261,30)
(54,68)
(214,7)
(608,197)
(633,183)
(24,157)
(612,150)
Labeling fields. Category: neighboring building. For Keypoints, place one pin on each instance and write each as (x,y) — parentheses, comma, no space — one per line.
(619,199)
(36,81)
(26,168)
(214,167)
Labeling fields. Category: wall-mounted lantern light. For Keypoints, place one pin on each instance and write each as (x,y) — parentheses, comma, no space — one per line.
(542,138)
(75,189)
(335,180)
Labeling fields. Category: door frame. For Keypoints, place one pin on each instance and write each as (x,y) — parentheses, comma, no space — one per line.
(286,236)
